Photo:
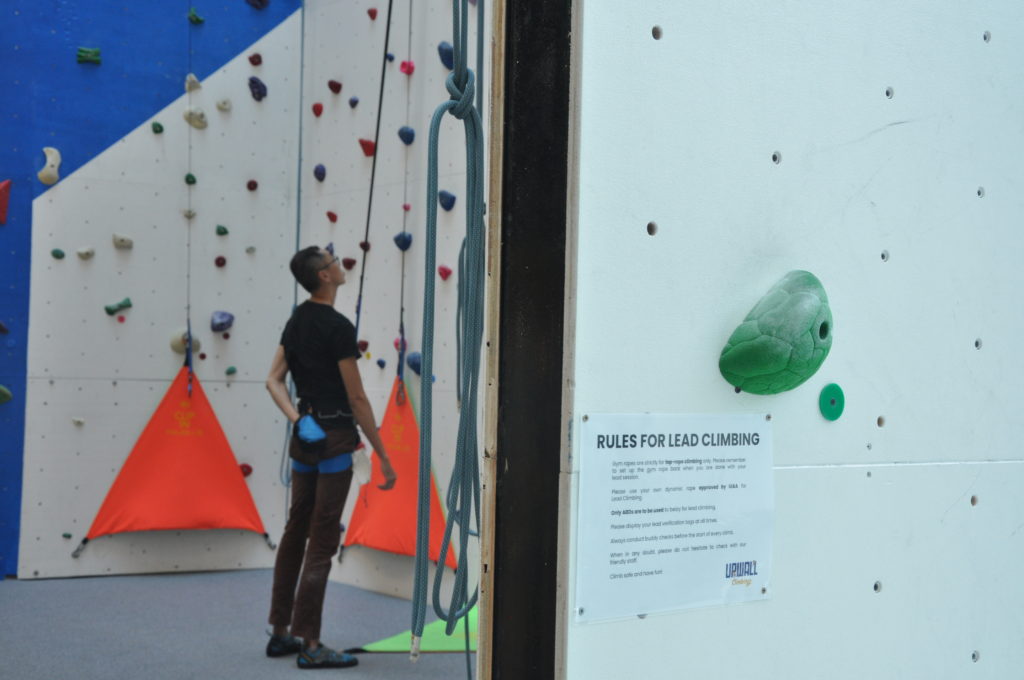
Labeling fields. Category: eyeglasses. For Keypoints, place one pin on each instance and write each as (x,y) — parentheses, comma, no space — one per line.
(335,259)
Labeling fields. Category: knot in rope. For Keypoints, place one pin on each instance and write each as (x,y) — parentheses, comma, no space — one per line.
(463,99)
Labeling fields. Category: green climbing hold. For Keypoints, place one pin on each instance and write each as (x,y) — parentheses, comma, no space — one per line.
(222,230)
(194,17)
(831,401)
(57,253)
(157,128)
(231,370)
(67,535)
(89,55)
(190,178)
(783,340)
(118,306)
(5,395)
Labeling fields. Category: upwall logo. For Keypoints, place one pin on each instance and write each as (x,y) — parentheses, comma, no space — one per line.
(738,570)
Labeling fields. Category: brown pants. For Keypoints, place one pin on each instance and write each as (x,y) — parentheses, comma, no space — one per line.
(317,502)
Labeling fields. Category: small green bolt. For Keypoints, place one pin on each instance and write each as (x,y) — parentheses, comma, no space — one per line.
(88,55)
(190,178)
(222,230)
(57,253)
(117,307)
(231,370)
(157,128)
(194,17)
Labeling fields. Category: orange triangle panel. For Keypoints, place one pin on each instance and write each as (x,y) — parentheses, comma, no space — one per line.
(386,520)
(181,474)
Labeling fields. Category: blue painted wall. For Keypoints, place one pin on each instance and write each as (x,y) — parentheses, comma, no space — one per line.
(49,99)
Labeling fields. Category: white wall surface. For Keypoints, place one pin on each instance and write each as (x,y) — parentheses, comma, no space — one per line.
(681,131)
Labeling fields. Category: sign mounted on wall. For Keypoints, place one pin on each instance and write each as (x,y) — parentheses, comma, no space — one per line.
(675,511)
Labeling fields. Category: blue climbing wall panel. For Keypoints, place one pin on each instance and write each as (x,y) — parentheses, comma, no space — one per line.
(81,109)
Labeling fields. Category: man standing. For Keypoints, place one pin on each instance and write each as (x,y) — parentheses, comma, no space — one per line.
(319,347)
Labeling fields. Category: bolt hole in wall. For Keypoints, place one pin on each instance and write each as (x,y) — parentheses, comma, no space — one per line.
(986,36)
(881,421)
(977,344)
(878,586)
(974,500)
(656,32)
(975,656)
(777,157)
(889,93)
(885,256)
(981,192)
(652,228)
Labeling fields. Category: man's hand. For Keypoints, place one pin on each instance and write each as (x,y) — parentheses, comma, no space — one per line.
(389,475)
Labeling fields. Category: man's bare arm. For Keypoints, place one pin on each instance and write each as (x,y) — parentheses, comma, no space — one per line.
(278,388)
(363,413)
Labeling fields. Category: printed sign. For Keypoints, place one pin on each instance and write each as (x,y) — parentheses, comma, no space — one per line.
(675,511)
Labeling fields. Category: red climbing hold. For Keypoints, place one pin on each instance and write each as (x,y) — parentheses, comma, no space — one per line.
(373,13)
(252,185)
(120,318)
(348,262)
(5,199)
(202,355)
(407,67)
(255,59)
(400,340)
(332,216)
(220,261)
(369,147)
(245,468)
(227,335)
(334,85)
(365,246)
(363,345)
(318,108)
(406,207)
(444,272)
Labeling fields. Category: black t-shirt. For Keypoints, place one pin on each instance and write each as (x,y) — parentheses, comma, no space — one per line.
(315,339)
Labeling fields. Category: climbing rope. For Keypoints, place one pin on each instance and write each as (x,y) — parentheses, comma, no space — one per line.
(463,499)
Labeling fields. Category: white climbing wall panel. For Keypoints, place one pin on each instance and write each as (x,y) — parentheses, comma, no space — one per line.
(878,146)
(84,364)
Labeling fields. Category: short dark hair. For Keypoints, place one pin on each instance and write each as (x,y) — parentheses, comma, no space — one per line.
(306,265)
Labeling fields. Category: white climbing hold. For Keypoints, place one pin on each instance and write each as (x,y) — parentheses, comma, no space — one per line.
(224,105)
(78,421)
(195,117)
(192,83)
(122,242)
(251,249)
(49,175)
(180,338)
(85,253)
(189,213)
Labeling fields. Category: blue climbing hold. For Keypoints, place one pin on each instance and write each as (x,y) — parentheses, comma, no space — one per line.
(258,4)
(414,360)
(353,102)
(447,53)
(403,240)
(221,321)
(390,56)
(258,88)
(447,199)
(381,363)
(406,134)
(320,172)
(330,247)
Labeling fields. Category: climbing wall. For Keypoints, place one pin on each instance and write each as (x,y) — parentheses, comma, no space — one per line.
(877,145)
(214,214)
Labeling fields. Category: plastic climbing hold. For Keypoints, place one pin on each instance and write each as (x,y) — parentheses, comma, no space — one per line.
(89,55)
(252,185)
(369,147)
(157,128)
(85,253)
(226,336)
(363,345)
(414,360)
(258,4)
(202,355)
(245,468)
(831,401)
(406,134)
(332,216)
(179,341)
(334,86)
(224,105)
(50,172)
(389,56)
(372,12)
(113,309)
(66,535)
(231,370)
(444,272)
(5,199)
(446,198)
(348,263)
(194,17)
(220,261)
(122,242)
(255,58)
(406,207)
(250,250)
(364,246)
(195,117)
(192,83)
(318,109)
(5,395)
(78,421)
(403,240)
(320,172)
(353,102)
(222,230)
(57,254)
(407,67)
(381,363)
(447,54)
(4,330)
(783,340)
(258,88)
(221,321)
(189,213)
(190,179)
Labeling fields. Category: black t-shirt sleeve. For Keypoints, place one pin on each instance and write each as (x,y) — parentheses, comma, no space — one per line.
(343,341)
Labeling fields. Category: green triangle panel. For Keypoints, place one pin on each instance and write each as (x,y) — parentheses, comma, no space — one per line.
(434,639)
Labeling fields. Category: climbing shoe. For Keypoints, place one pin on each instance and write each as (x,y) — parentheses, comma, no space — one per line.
(324,657)
(283,645)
